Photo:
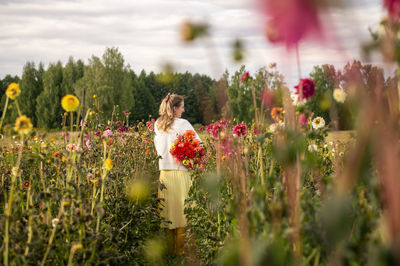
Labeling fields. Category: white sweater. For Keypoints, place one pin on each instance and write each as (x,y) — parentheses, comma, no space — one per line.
(164,140)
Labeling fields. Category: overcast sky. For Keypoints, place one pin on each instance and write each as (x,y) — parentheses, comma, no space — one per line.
(147,33)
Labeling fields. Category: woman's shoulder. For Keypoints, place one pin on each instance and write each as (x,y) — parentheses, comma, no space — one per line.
(181,122)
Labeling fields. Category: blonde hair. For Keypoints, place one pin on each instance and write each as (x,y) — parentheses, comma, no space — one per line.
(166,111)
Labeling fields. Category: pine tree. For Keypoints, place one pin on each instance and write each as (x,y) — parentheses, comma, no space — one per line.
(31,87)
(145,104)
(49,111)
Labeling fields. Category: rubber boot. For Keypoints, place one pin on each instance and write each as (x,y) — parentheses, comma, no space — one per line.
(171,240)
(180,240)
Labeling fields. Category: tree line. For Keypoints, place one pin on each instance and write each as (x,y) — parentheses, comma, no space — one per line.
(108,81)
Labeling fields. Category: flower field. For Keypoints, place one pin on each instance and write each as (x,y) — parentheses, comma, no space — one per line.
(274,192)
(307,175)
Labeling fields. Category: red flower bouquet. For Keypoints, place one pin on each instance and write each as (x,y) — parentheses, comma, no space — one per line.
(187,150)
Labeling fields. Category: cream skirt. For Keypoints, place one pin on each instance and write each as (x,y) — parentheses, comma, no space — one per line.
(174,188)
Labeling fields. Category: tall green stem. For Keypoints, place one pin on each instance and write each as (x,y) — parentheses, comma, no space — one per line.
(16,104)
(8,209)
(4,112)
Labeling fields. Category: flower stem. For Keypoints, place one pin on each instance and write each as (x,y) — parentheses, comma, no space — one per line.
(16,104)
(72,122)
(298,61)
(4,113)
(53,233)
(8,209)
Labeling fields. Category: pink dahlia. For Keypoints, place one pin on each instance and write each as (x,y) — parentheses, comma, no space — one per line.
(107,133)
(245,77)
(240,130)
(305,89)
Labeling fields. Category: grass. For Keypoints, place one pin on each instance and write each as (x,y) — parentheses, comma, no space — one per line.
(342,136)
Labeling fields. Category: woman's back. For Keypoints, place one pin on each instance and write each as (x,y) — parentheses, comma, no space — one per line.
(164,140)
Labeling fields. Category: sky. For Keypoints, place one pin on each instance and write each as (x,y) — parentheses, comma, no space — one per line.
(147,33)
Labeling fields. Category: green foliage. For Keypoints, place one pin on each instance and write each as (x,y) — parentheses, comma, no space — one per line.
(108,78)
(112,231)
(31,86)
(241,96)
(48,109)
(326,79)
(145,103)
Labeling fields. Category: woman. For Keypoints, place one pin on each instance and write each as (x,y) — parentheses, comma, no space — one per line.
(174,178)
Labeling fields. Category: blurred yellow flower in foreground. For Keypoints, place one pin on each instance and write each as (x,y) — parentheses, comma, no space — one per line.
(69,103)
(108,164)
(23,125)
(138,190)
(13,91)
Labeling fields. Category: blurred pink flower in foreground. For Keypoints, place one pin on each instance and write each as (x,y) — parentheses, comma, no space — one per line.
(289,21)
(303,119)
(393,7)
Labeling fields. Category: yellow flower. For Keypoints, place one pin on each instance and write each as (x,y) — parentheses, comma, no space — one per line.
(23,125)
(108,164)
(69,102)
(94,96)
(13,91)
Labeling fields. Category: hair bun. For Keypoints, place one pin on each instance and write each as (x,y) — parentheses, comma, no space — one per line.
(167,97)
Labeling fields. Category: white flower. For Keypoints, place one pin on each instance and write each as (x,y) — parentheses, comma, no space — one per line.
(330,143)
(318,122)
(43,144)
(78,148)
(339,95)
(276,126)
(295,99)
(55,221)
(272,127)
(312,147)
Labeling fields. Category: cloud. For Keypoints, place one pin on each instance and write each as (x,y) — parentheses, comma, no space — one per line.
(148,34)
